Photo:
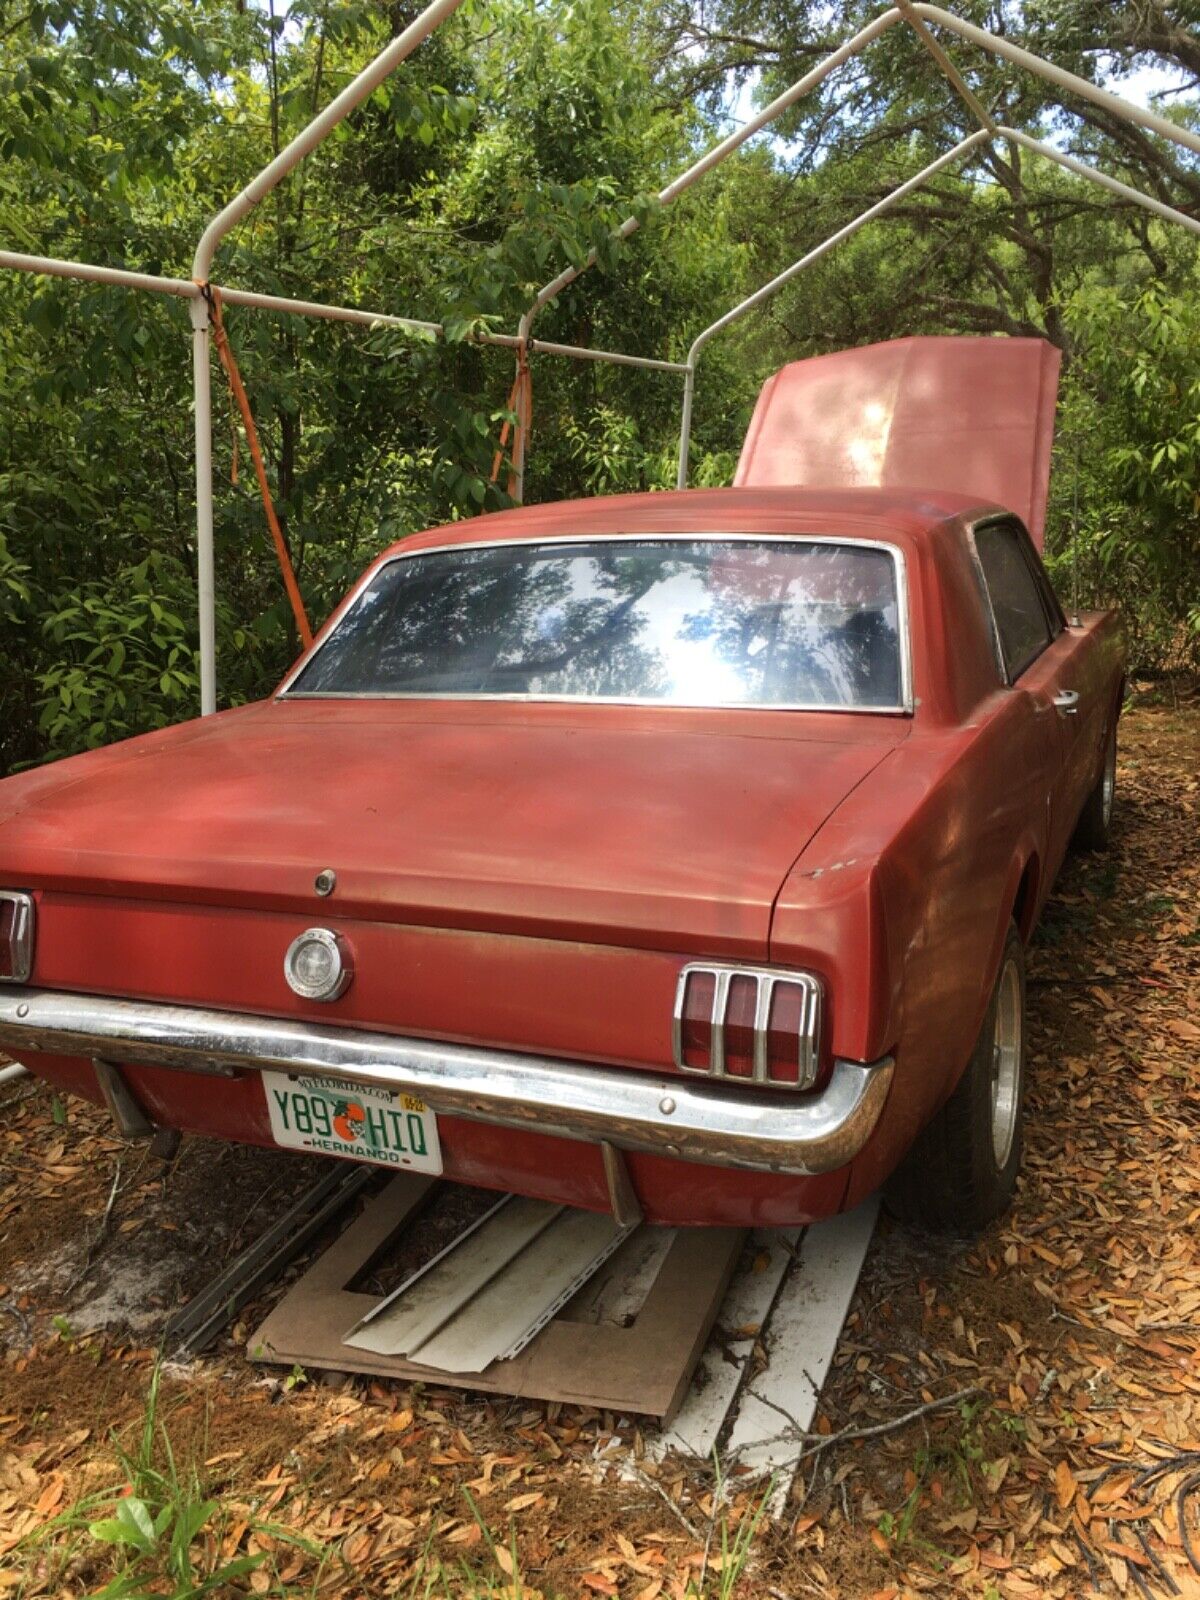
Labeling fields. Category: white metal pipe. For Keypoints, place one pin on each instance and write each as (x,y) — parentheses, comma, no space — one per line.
(900,192)
(780,104)
(51,267)
(313,308)
(186,289)
(1070,163)
(694,173)
(685,427)
(947,67)
(1123,109)
(206,587)
(579,353)
(712,158)
(8,1074)
(911,11)
(366,82)
(963,148)
(1114,185)
(338,109)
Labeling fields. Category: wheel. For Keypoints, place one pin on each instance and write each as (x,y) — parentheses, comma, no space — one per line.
(1095,820)
(961,1172)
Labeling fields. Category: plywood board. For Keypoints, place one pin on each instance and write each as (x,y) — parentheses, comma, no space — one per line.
(642,1368)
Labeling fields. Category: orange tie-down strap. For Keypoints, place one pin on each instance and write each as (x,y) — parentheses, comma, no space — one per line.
(238,391)
(520,401)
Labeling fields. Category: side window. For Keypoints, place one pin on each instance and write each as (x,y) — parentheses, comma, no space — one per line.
(1046,589)
(1021,618)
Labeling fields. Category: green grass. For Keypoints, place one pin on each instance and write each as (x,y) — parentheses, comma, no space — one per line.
(500,1578)
(158,1530)
(155,1532)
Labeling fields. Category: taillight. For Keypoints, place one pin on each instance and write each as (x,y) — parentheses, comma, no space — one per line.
(749,1023)
(16,936)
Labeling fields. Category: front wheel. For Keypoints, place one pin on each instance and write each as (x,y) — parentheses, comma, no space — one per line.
(961,1172)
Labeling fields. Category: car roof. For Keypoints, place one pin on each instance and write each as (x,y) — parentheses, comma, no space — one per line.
(898,516)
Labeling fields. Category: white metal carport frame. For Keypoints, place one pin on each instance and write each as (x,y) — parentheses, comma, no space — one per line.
(196,290)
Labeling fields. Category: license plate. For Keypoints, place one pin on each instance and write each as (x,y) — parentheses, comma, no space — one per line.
(333,1117)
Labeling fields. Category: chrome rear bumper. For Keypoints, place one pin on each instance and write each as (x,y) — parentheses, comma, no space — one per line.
(729,1126)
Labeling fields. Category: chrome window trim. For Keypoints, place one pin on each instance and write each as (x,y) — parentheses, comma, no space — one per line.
(899,564)
(24,924)
(989,611)
(765,978)
(1056,617)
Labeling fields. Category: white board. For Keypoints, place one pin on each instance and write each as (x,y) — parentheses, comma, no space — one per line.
(802,1338)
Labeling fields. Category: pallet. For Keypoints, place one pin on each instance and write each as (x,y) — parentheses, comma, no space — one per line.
(634,1359)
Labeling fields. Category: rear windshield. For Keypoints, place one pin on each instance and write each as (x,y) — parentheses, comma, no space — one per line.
(757,622)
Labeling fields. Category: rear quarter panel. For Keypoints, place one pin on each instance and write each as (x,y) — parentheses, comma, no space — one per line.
(902,901)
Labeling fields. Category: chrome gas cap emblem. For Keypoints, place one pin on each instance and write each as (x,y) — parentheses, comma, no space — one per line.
(318,965)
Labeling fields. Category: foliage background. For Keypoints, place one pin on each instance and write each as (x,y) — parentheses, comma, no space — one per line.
(508,146)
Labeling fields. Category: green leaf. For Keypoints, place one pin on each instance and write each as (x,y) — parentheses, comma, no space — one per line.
(131,1525)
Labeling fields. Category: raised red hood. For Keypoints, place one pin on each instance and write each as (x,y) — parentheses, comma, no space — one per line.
(974,416)
(665,828)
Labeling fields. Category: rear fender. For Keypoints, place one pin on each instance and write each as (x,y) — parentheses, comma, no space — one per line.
(832,920)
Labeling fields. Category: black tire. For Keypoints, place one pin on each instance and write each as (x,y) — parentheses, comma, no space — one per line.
(955,1179)
(1094,828)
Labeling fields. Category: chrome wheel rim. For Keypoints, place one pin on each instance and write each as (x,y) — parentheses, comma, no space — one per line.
(1109,782)
(1006,1063)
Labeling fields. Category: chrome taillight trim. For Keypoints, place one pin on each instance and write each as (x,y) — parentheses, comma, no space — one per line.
(766,979)
(22,934)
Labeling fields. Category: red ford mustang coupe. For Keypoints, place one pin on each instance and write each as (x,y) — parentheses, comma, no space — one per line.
(670,853)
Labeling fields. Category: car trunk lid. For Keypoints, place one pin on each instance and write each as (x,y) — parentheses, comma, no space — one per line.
(666,828)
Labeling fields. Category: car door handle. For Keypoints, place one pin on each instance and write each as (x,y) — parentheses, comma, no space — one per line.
(1066,702)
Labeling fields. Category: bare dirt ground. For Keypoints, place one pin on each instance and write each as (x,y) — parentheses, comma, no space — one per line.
(1073,1328)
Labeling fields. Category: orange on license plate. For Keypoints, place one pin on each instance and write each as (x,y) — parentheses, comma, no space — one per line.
(334,1117)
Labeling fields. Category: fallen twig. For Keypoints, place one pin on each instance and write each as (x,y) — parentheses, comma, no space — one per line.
(1163,1574)
(823,1441)
(1189,1484)
(959,1397)
(1091,1565)
(1052,1220)
(795,1430)
(89,1261)
(645,1478)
